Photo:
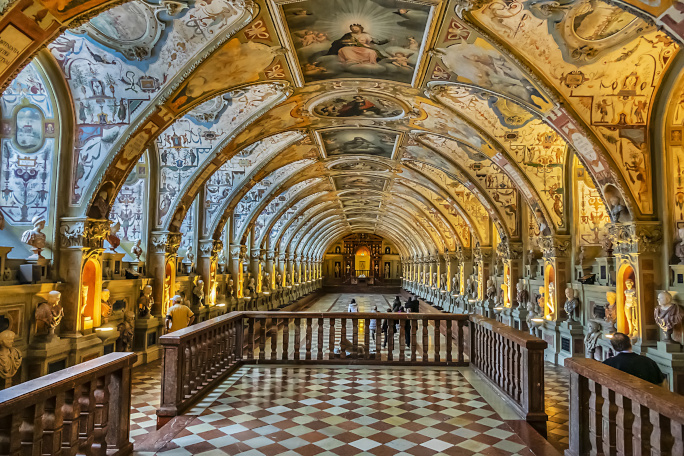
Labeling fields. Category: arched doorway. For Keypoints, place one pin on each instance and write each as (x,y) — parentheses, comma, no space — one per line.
(362,261)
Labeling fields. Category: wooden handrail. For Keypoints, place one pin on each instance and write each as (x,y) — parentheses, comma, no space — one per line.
(514,362)
(85,408)
(617,413)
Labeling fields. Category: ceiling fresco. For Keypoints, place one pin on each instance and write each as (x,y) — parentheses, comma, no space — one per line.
(272,122)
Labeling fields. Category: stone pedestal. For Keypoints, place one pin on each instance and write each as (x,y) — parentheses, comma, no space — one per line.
(36,270)
(550,333)
(571,340)
(46,355)
(677,276)
(670,359)
(85,348)
(519,316)
(201,313)
(146,339)
(506,316)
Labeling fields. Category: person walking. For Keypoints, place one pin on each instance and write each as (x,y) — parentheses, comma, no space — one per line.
(179,315)
(385,328)
(373,324)
(353,307)
(396,304)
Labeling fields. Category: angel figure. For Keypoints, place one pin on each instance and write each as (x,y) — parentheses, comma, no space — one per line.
(400,59)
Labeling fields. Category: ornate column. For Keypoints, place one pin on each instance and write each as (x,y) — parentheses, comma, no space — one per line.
(80,266)
(237,253)
(511,254)
(161,264)
(206,267)
(282,267)
(557,272)
(637,248)
(255,267)
(270,268)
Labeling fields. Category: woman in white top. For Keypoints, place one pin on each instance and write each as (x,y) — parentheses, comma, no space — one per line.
(353,307)
(373,324)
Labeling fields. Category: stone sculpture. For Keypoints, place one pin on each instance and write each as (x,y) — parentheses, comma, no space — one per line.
(551,302)
(279,281)
(35,238)
(443,281)
(631,302)
(266,282)
(10,357)
(571,304)
(491,290)
(592,338)
(198,292)
(679,248)
(7,274)
(137,249)
(616,208)
(667,316)
(49,314)
(611,309)
(455,286)
(522,296)
(190,258)
(231,285)
(126,332)
(145,302)
(105,306)
(113,237)
(540,300)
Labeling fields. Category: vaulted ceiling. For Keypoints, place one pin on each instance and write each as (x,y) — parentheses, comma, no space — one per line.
(432,123)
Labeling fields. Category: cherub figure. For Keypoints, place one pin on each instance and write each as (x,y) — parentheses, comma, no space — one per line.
(400,59)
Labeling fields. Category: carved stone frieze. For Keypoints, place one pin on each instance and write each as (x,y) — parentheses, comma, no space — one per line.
(635,237)
(210,247)
(555,246)
(509,250)
(83,232)
(166,242)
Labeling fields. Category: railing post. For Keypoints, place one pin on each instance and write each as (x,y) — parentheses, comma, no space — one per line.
(533,388)
(119,411)
(579,444)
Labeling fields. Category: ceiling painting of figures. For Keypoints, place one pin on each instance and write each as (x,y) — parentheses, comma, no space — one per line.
(358,105)
(352,141)
(360,182)
(380,39)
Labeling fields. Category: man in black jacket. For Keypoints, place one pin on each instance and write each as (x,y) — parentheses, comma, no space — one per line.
(638,365)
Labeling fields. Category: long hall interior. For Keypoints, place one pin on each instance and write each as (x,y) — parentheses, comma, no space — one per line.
(341,227)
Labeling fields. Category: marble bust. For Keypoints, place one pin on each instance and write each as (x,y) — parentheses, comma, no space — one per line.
(198,291)
(679,248)
(571,304)
(137,249)
(667,315)
(49,314)
(105,305)
(35,238)
(522,296)
(145,302)
(592,338)
(10,357)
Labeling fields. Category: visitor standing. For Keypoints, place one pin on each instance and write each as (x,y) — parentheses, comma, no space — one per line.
(179,315)
(638,365)
(373,324)
(353,307)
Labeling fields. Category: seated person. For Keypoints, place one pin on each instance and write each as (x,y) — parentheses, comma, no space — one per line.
(346,349)
(638,365)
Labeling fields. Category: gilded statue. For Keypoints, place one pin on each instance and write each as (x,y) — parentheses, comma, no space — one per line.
(49,314)
(551,302)
(35,238)
(631,302)
(145,302)
(667,315)
(571,304)
(10,357)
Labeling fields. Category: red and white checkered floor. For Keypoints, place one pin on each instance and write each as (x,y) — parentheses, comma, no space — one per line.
(344,410)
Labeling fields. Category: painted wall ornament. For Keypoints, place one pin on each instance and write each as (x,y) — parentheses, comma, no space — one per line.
(668,317)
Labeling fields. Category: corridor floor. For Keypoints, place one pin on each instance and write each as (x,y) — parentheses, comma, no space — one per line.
(344,411)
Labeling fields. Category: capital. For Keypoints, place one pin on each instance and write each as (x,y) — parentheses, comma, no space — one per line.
(635,237)
(83,232)
(165,242)
(210,247)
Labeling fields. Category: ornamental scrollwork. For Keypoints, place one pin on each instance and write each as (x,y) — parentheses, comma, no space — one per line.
(166,242)
(630,238)
(553,246)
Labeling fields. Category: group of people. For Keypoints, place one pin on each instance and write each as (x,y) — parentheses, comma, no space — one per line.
(412,305)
